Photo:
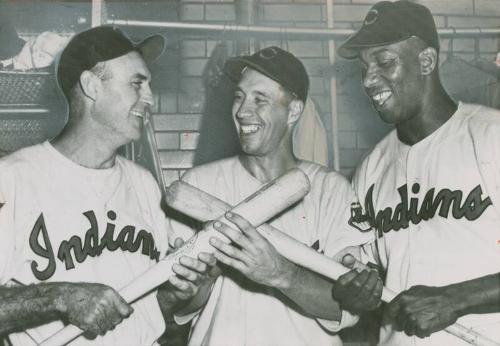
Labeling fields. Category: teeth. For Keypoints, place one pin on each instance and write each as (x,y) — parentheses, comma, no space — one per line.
(382,97)
(246,129)
(137,113)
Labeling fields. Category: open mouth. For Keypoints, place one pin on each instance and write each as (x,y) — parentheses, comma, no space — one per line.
(381,98)
(249,129)
(143,114)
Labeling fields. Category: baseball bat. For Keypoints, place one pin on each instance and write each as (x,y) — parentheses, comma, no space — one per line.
(268,201)
(204,207)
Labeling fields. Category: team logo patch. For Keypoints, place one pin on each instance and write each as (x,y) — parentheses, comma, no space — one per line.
(268,53)
(371,17)
(358,219)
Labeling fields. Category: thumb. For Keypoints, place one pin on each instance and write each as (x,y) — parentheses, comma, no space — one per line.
(351,262)
(178,243)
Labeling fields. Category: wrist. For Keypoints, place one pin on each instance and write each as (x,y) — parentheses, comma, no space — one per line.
(287,276)
(459,302)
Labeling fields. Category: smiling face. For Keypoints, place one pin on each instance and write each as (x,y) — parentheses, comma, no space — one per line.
(393,80)
(260,113)
(124,97)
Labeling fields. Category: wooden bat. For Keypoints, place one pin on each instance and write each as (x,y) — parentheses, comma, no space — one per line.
(268,201)
(204,207)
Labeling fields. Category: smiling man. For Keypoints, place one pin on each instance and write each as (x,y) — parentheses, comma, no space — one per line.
(431,188)
(261,298)
(77,219)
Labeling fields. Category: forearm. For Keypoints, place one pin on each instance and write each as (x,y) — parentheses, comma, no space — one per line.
(311,292)
(477,296)
(28,306)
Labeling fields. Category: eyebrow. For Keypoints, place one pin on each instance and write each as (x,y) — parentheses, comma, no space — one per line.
(140,76)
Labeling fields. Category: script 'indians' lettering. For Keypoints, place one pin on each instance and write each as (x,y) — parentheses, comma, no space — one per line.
(444,202)
(127,240)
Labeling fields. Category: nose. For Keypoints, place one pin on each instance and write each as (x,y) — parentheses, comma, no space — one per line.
(147,96)
(370,77)
(243,110)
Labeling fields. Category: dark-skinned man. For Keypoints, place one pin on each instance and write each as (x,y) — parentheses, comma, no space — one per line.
(431,188)
(261,298)
(77,219)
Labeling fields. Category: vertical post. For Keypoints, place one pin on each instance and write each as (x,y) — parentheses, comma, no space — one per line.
(98,12)
(246,13)
(333,90)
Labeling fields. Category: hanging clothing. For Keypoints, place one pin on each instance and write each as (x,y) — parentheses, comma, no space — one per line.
(482,86)
(309,136)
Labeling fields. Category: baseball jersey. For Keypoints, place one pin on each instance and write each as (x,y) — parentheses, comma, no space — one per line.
(240,312)
(435,209)
(64,222)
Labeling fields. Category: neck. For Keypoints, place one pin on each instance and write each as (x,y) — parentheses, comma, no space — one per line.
(272,165)
(437,107)
(86,146)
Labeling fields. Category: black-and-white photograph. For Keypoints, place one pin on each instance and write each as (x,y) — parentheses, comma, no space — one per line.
(249,172)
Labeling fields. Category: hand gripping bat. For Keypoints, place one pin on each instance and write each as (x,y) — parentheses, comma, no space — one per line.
(204,207)
(268,201)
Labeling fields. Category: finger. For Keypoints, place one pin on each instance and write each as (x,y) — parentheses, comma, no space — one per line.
(246,227)
(193,264)
(235,236)
(368,293)
(178,243)
(351,262)
(231,262)
(410,324)
(346,278)
(207,258)
(179,283)
(229,250)
(186,273)
(124,308)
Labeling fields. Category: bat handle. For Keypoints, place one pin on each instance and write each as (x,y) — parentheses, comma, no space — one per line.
(64,336)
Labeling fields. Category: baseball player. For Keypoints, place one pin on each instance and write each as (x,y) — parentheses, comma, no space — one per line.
(261,298)
(431,188)
(77,219)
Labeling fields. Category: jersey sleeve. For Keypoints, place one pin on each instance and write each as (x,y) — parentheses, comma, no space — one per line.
(339,226)
(7,226)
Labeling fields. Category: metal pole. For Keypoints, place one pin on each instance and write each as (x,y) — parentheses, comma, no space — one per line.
(333,90)
(291,32)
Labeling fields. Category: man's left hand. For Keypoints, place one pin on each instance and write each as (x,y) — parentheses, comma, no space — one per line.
(423,310)
(252,254)
(191,274)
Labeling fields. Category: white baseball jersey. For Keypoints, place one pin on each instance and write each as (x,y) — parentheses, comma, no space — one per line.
(240,312)
(64,222)
(435,207)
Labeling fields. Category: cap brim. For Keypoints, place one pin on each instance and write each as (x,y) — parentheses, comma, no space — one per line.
(234,67)
(366,38)
(152,47)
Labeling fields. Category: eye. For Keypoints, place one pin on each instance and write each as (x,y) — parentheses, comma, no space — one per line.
(385,62)
(137,84)
(260,100)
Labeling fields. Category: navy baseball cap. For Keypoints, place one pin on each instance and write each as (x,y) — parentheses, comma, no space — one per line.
(275,63)
(98,44)
(390,22)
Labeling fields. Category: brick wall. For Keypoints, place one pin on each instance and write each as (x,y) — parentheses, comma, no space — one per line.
(181,108)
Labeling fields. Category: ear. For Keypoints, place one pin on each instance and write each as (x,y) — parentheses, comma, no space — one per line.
(428,59)
(89,83)
(295,109)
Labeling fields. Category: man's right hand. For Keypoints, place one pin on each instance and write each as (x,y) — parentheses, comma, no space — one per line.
(94,308)
(358,290)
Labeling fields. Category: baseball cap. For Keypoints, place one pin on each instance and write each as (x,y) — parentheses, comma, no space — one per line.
(98,44)
(275,63)
(390,22)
